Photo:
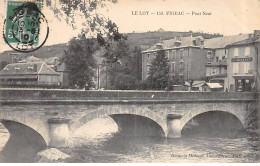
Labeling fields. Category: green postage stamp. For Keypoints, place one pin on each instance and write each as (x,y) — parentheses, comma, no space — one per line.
(23,26)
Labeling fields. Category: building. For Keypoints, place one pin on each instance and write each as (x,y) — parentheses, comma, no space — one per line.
(186,55)
(243,64)
(217,55)
(31,74)
(64,74)
(194,58)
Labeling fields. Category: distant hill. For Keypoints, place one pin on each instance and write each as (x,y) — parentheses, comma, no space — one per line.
(143,40)
(148,39)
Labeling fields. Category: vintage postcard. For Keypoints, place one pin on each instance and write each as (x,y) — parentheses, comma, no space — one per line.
(129,81)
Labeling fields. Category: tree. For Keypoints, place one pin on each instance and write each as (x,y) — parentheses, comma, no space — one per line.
(123,65)
(124,82)
(93,22)
(137,64)
(158,75)
(80,62)
(119,60)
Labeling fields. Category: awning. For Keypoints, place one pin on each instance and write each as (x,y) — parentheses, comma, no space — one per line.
(213,85)
(195,83)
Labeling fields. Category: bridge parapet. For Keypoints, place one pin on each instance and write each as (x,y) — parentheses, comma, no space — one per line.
(60,94)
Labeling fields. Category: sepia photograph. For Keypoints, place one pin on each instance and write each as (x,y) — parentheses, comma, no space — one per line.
(129,81)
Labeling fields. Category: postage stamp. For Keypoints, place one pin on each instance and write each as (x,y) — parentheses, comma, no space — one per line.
(24,25)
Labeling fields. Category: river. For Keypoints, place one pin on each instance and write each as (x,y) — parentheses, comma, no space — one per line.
(100,140)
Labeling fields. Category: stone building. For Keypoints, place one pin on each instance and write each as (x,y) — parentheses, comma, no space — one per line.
(186,55)
(196,58)
(243,64)
(217,55)
(31,74)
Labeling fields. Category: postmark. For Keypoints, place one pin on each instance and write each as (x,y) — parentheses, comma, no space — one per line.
(25,28)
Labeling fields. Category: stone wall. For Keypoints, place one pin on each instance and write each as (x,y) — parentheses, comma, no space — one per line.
(58,94)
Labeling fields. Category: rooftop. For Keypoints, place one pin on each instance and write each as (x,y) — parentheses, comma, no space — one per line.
(33,59)
(183,42)
(51,60)
(214,43)
(222,42)
(245,42)
(30,68)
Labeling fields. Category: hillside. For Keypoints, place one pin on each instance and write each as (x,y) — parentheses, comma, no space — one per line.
(143,40)
(147,39)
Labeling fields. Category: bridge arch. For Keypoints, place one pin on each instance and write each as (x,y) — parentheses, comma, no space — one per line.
(23,143)
(192,114)
(159,121)
(36,125)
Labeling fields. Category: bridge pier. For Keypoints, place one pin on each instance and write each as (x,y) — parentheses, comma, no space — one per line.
(174,125)
(58,132)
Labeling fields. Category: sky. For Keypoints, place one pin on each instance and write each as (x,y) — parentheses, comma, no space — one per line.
(228,17)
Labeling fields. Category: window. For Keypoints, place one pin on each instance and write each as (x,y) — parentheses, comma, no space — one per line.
(209,53)
(148,56)
(173,66)
(173,54)
(213,71)
(235,68)
(217,58)
(30,68)
(181,66)
(172,77)
(223,58)
(167,54)
(181,79)
(246,67)
(48,79)
(181,53)
(148,68)
(209,57)
(235,51)
(247,51)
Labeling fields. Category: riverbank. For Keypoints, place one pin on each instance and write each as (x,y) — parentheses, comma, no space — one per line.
(53,155)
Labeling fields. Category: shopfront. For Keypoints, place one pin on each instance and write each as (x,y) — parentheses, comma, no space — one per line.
(244,84)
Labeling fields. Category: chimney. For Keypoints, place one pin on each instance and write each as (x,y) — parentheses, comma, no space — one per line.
(256,34)
(161,40)
(197,41)
(190,33)
(55,68)
(178,37)
(35,67)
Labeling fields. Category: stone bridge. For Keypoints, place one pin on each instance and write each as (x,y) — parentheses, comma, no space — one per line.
(51,116)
